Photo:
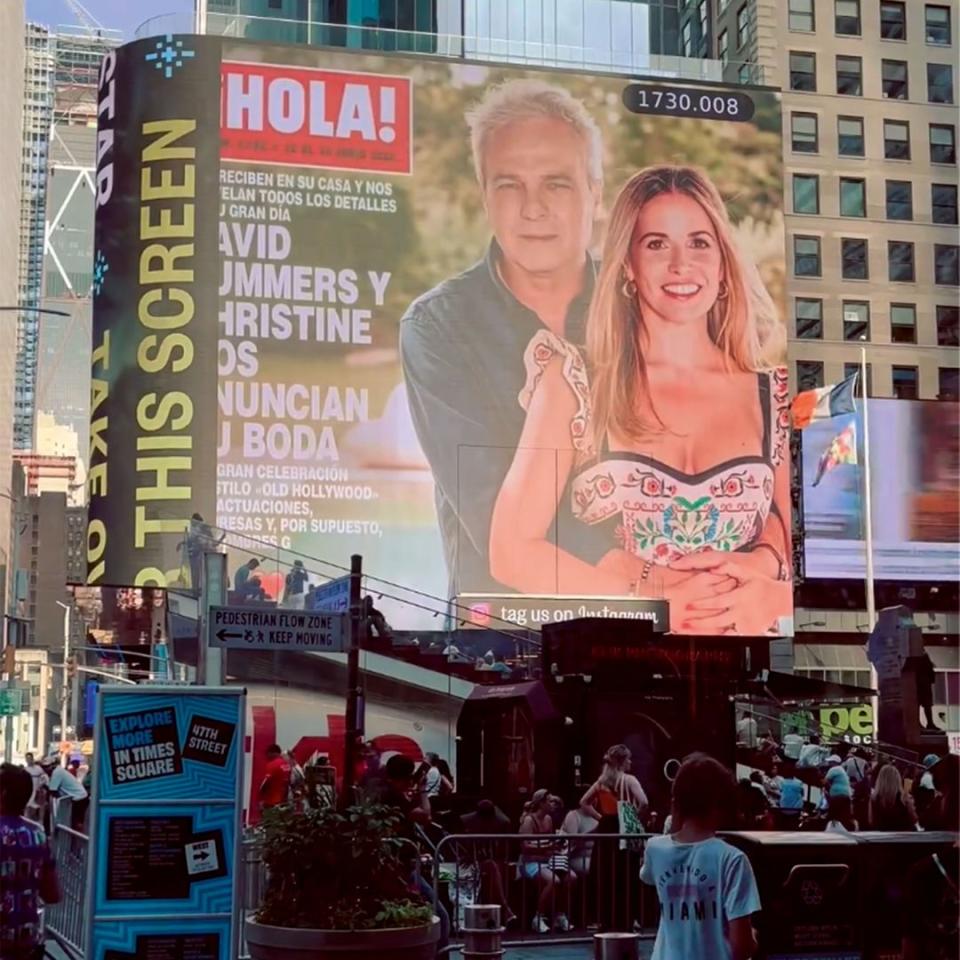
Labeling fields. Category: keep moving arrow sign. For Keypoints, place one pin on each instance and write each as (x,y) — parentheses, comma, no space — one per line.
(271,628)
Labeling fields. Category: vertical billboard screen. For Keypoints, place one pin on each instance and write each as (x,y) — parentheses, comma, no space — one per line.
(915,474)
(508,334)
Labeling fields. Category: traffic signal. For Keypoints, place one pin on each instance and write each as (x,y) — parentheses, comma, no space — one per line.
(71,667)
(10,660)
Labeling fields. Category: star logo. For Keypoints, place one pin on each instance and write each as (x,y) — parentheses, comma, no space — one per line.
(100,268)
(168,55)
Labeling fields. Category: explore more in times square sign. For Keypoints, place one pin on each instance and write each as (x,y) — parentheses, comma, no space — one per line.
(506,333)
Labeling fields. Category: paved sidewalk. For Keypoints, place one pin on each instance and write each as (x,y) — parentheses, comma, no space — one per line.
(566,951)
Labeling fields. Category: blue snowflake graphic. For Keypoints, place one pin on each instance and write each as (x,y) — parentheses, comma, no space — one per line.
(169,53)
(100,268)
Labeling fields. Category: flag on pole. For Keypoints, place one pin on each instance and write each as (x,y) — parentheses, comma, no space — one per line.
(823,403)
(842,449)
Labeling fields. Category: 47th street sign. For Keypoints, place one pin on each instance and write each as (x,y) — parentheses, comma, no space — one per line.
(272,628)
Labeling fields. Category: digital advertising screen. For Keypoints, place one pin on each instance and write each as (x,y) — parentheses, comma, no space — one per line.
(511,335)
(915,474)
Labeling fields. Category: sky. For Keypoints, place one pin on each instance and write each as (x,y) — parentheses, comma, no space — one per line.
(123,15)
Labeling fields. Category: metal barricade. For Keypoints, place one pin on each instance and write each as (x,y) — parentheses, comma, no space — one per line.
(65,922)
(549,887)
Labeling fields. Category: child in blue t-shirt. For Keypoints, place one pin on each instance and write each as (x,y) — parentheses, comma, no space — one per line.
(706,887)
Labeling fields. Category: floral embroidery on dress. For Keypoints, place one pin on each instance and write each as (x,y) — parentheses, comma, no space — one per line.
(541,349)
(779,414)
(664,514)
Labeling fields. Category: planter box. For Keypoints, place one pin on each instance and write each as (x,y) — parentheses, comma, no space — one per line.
(286,943)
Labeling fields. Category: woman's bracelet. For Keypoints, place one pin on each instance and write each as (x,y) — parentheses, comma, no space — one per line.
(635,585)
(782,572)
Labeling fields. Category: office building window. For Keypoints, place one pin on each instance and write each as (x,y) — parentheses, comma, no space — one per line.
(893,21)
(800,16)
(808,314)
(939,83)
(806,257)
(853,259)
(809,374)
(944,202)
(899,200)
(686,35)
(946,264)
(847,17)
(850,136)
(943,143)
(803,132)
(893,74)
(938,24)
(803,71)
(850,76)
(856,320)
(900,263)
(905,382)
(948,383)
(806,193)
(903,323)
(948,326)
(853,197)
(723,45)
(896,139)
(745,73)
(853,369)
(743,26)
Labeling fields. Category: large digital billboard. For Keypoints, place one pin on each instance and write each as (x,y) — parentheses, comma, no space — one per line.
(509,334)
(915,475)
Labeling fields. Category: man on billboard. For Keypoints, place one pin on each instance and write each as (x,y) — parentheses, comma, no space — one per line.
(538,160)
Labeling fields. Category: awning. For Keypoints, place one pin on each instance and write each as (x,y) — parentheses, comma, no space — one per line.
(532,692)
(830,656)
(852,656)
(796,688)
(945,658)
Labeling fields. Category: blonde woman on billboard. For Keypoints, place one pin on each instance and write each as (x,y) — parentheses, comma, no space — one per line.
(676,447)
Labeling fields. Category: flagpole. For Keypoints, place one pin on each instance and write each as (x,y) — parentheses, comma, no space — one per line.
(868,537)
(867,495)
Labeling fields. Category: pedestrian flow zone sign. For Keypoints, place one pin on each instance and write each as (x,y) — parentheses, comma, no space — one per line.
(271,628)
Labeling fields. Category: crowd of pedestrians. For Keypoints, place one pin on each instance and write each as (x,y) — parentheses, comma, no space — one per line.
(842,789)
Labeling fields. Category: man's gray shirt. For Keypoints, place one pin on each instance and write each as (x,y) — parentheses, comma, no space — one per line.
(462,346)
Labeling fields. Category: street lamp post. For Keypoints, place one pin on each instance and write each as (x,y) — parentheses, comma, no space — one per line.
(65,689)
(25,309)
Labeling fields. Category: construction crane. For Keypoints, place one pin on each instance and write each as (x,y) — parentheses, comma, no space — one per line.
(86,19)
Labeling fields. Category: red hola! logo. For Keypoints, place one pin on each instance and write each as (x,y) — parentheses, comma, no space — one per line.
(315,118)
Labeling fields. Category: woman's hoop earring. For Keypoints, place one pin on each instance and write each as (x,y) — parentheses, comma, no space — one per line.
(723,292)
(629,289)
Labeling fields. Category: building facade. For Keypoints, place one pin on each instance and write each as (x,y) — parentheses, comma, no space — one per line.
(56,237)
(869,134)
(621,35)
(11,118)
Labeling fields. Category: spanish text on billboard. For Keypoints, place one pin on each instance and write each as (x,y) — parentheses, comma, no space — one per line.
(506,333)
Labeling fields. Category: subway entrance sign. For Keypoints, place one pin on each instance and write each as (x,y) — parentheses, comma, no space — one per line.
(270,628)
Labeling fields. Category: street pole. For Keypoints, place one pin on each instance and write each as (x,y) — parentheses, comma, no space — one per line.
(211,662)
(355,711)
(65,689)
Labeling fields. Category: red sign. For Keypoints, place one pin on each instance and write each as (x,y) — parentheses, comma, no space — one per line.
(319,118)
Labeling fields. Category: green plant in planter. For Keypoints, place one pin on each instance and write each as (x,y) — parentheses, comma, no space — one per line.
(333,870)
